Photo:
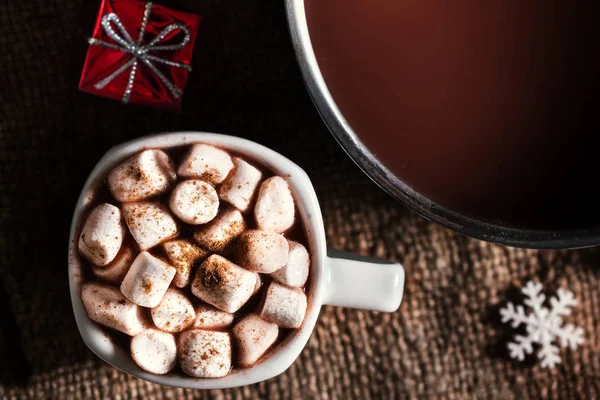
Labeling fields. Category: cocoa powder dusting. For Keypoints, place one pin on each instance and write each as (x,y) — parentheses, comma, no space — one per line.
(186,255)
(135,172)
(147,286)
(210,176)
(213,274)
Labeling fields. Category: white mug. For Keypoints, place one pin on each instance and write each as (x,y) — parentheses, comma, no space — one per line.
(338,279)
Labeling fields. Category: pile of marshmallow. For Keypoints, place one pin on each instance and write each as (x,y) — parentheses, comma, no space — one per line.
(176,296)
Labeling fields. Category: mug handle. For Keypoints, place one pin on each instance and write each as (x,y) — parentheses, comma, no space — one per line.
(362,282)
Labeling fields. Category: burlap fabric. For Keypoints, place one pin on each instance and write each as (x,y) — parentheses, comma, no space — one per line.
(445,341)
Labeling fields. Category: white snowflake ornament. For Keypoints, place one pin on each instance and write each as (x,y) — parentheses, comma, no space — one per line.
(544,325)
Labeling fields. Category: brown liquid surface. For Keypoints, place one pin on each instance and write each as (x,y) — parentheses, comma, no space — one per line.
(488,108)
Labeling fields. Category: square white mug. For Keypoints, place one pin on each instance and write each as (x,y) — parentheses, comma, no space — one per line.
(337,278)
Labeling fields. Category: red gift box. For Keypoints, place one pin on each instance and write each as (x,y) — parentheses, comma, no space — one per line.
(140,53)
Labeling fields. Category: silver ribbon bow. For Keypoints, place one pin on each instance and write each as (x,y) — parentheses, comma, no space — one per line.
(140,52)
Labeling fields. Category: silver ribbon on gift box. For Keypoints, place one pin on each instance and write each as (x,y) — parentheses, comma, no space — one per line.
(140,52)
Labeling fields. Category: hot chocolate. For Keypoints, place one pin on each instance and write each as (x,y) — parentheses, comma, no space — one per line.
(196,260)
(488,108)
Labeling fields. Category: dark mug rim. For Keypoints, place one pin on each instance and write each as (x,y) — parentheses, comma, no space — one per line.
(396,187)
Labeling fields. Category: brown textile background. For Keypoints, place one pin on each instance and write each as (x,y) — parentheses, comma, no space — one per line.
(445,341)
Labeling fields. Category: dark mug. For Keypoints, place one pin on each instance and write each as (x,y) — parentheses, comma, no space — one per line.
(540,190)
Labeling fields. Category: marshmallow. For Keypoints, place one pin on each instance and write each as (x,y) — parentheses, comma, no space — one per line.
(284,306)
(108,307)
(102,234)
(208,317)
(258,284)
(149,223)
(253,336)
(221,230)
(239,187)
(194,202)
(182,255)
(274,209)
(147,280)
(207,163)
(144,175)
(174,313)
(262,251)
(115,271)
(223,284)
(205,354)
(154,351)
(295,272)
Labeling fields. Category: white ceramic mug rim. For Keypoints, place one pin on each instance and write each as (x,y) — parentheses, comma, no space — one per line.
(308,207)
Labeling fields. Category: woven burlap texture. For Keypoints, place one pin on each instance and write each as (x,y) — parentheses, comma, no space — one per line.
(445,341)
